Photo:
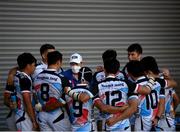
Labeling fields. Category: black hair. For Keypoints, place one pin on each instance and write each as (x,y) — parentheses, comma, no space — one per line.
(109,54)
(45,47)
(135,47)
(85,73)
(53,57)
(135,68)
(149,63)
(24,59)
(112,66)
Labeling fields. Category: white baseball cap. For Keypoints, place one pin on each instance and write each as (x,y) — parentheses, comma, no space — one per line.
(76,58)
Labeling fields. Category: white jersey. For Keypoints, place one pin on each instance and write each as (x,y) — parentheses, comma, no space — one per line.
(49,86)
(80,113)
(148,104)
(41,67)
(100,76)
(167,122)
(114,92)
(23,84)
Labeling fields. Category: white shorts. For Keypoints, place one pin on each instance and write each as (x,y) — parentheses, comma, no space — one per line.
(167,124)
(11,121)
(23,122)
(142,124)
(54,121)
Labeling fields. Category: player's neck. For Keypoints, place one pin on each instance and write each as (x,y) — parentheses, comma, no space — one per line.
(25,71)
(53,67)
(111,75)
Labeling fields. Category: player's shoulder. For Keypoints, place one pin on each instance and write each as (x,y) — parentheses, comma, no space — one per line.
(99,76)
(22,75)
(160,81)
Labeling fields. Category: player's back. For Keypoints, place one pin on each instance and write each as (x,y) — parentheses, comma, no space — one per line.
(48,84)
(114,92)
(148,104)
(80,113)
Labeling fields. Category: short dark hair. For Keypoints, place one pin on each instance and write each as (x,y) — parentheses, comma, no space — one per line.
(136,47)
(53,57)
(24,59)
(111,66)
(149,63)
(109,54)
(135,68)
(45,47)
(85,73)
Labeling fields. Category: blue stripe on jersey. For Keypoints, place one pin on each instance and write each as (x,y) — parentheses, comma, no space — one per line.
(145,112)
(58,86)
(161,96)
(168,107)
(125,90)
(133,97)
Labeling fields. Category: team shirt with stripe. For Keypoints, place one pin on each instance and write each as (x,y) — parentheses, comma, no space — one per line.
(80,113)
(115,92)
(22,84)
(49,84)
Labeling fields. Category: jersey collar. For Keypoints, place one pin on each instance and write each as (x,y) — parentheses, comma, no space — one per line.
(140,78)
(51,70)
(111,76)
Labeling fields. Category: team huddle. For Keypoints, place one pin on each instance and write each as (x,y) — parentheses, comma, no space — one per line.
(45,97)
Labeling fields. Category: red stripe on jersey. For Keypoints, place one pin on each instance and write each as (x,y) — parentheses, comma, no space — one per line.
(37,87)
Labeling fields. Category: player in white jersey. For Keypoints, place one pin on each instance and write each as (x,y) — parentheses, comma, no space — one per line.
(158,94)
(167,121)
(44,50)
(39,68)
(134,53)
(10,119)
(100,76)
(49,87)
(80,113)
(148,104)
(115,92)
(24,112)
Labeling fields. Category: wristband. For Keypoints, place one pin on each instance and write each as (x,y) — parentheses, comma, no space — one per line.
(150,83)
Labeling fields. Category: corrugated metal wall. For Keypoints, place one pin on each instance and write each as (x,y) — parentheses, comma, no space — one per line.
(88,27)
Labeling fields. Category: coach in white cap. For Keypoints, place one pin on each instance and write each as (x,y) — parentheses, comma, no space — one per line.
(75,64)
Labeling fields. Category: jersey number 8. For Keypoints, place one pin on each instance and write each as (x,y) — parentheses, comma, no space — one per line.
(44,92)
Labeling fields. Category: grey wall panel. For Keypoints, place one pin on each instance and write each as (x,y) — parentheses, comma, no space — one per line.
(88,27)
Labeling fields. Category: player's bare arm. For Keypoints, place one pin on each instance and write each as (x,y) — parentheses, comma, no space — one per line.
(83,97)
(133,103)
(175,100)
(161,108)
(11,75)
(30,110)
(108,108)
(52,104)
